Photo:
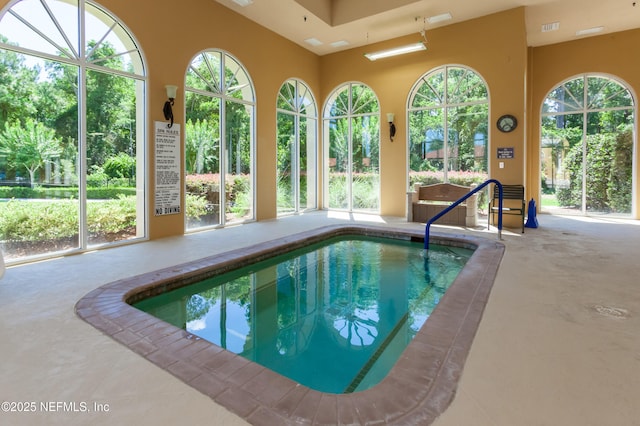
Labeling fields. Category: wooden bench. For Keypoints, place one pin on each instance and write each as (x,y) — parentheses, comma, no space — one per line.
(512,202)
(426,201)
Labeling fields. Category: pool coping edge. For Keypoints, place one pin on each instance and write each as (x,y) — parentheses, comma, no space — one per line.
(417,390)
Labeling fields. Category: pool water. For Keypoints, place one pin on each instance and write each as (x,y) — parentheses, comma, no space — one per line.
(333,316)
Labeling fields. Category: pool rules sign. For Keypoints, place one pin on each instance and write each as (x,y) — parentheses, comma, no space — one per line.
(167,191)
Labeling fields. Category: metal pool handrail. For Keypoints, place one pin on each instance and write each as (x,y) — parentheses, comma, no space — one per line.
(459,201)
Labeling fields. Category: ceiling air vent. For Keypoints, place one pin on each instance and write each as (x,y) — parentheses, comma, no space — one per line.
(554,26)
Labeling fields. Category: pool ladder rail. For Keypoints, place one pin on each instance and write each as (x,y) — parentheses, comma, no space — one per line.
(461,200)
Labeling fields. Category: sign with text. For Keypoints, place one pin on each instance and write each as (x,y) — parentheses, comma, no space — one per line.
(505,153)
(167,170)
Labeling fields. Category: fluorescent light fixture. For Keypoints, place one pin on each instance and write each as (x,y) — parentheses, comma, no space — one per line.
(439,18)
(396,51)
(243,3)
(340,43)
(589,31)
(553,26)
(313,41)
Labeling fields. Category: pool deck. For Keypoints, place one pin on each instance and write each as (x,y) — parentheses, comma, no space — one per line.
(557,343)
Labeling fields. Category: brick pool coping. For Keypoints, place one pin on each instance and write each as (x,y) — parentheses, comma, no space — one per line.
(420,386)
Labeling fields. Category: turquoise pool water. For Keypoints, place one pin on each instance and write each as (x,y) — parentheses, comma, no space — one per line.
(333,316)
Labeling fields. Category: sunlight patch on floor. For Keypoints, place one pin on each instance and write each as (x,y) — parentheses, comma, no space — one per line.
(364,217)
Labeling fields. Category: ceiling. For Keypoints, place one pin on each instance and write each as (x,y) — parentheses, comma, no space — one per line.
(361,22)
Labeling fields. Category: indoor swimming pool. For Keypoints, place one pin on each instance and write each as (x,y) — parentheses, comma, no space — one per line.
(415,388)
(333,316)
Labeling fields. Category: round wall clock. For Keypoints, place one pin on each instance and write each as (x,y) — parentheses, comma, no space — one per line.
(507,123)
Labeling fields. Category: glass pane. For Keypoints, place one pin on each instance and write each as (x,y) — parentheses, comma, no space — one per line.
(202,161)
(219,156)
(464,86)
(204,73)
(353,168)
(426,138)
(553,149)
(338,163)
(238,167)
(562,162)
(108,44)
(363,100)
(467,144)
(41,32)
(286,97)
(45,101)
(607,147)
(455,151)
(307,102)
(568,97)
(338,104)
(365,163)
(307,183)
(287,163)
(296,148)
(609,167)
(112,179)
(39,160)
(606,93)
(237,84)
(430,92)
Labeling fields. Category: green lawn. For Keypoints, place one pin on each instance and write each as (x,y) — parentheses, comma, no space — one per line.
(549,200)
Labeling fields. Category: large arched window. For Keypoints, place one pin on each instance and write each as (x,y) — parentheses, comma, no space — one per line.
(72,130)
(219,141)
(448,127)
(352,149)
(587,147)
(297,129)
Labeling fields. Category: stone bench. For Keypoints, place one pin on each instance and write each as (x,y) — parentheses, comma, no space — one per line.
(426,201)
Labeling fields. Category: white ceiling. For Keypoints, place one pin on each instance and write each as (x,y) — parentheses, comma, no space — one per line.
(361,22)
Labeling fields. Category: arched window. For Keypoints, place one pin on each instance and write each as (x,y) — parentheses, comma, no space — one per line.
(219,141)
(72,130)
(352,149)
(448,112)
(587,145)
(297,117)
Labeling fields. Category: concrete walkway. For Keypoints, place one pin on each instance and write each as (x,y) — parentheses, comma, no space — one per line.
(558,343)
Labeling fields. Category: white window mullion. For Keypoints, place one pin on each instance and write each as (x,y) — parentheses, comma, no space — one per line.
(222,163)
(82,130)
(295,163)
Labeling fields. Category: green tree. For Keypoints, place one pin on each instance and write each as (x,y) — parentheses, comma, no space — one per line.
(17,83)
(201,147)
(110,105)
(31,146)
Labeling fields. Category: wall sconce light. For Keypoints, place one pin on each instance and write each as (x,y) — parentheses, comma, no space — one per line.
(392,127)
(168,110)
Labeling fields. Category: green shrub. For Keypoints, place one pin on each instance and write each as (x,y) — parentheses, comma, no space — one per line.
(17,192)
(366,191)
(38,221)
(97,177)
(112,216)
(609,160)
(195,206)
(565,197)
(619,187)
(50,220)
(109,193)
(120,166)
(207,187)
(65,192)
